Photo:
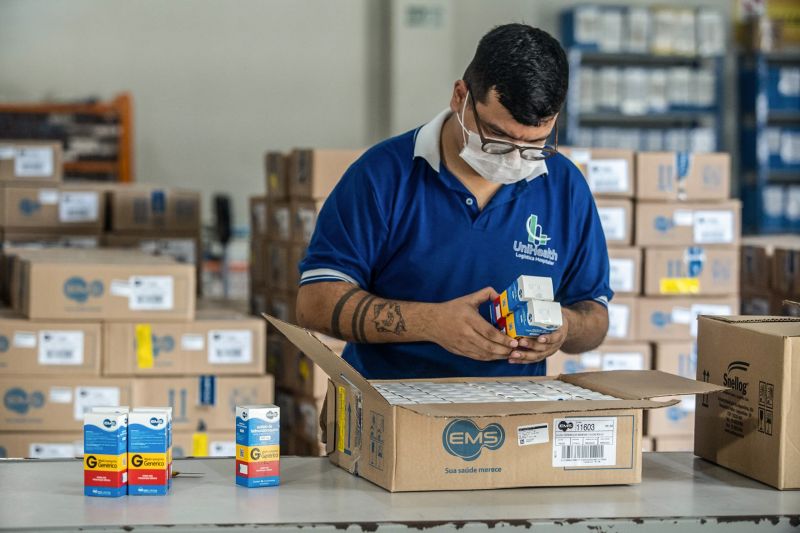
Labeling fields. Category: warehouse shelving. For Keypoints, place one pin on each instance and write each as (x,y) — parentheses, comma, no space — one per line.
(108,125)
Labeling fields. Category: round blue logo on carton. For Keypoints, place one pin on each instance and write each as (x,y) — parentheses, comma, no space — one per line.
(109,423)
(464,439)
(19,401)
(28,207)
(79,290)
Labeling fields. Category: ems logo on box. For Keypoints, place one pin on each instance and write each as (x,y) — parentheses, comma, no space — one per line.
(78,289)
(464,439)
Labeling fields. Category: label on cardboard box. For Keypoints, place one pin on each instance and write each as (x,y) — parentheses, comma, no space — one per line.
(707,309)
(230,346)
(42,450)
(60,347)
(683,217)
(585,441)
(151,293)
(713,227)
(78,206)
(681,315)
(618,319)
(222,448)
(88,397)
(613,221)
(48,196)
(308,220)
(535,434)
(607,175)
(621,275)
(7,152)
(192,342)
(622,361)
(591,359)
(24,339)
(34,162)
(60,395)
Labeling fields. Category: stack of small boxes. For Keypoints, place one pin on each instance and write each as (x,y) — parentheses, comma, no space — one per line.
(685,262)
(282,223)
(770,275)
(526,308)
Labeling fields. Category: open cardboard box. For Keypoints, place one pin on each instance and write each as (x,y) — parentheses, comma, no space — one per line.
(489,445)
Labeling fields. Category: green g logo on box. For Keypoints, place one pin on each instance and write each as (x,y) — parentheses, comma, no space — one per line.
(79,290)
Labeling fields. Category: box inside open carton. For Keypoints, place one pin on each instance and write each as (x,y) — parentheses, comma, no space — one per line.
(414,446)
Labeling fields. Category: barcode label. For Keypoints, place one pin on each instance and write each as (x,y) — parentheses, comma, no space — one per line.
(151,293)
(76,207)
(88,397)
(60,347)
(586,441)
(713,227)
(34,163)
(228,346)
(614,223)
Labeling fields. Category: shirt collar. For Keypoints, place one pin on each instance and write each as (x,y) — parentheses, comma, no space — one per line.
(426,142)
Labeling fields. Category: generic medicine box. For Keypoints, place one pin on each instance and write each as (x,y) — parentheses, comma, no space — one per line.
(105,447)
(258,445)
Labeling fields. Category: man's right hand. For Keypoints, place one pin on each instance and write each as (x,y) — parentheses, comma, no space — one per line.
(457,327)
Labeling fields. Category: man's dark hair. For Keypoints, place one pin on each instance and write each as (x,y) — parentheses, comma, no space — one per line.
(526,66)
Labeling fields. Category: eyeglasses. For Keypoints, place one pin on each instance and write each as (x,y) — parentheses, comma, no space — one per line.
(495,147)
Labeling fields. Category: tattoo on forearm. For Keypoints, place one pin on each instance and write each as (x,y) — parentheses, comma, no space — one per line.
(336,331)
(356,312)
(363,317)
(388,318)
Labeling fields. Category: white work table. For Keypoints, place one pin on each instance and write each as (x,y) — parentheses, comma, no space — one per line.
(677,491)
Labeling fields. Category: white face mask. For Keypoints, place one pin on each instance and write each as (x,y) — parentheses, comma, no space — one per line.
(497,168)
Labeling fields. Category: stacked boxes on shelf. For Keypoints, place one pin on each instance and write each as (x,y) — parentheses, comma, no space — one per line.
(282,223)
(770,274)
(685,262)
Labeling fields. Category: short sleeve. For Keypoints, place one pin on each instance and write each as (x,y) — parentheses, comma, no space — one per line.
(587,276)
(349,234)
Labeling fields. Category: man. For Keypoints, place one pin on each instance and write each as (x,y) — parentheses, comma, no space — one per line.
(426,227)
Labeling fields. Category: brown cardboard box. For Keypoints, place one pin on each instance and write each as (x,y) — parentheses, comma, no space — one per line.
(258,217)
(276,171)
(68,208)
(756,268)
(259,264)
(208,399)
(675,318)
(781,306)
(143,208)
(34,162)
(608,356)
(697,270)
(282,303)
(216,342)
(56,403)
(279,221)
(40,445)
(476,446)
(679,358)
(301,375)
(39,240)
(670,176)
(647,444)
(752,427)
(625,271)
(204,444)
(609,171)
(756,302)
(616,216)
(304,447)
(277,256)
(623,316)
(296,254)
(103,284)
(32,348)
(304,219)
(786,271)
(308,411)
(675,443)
(687,224)
(314,173)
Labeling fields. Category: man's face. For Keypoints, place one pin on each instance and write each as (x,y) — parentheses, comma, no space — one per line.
(495,120)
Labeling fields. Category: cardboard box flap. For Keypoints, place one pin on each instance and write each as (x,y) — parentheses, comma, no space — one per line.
(639,384)
(328,361)
(473,410)
(779,326)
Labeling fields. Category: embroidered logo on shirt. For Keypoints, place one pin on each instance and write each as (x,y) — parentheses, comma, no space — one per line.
(534,249)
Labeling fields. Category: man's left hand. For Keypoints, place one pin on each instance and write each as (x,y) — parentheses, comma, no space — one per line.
(535,349)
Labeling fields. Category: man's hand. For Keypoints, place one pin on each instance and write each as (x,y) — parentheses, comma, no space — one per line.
(457,327)
(533,350)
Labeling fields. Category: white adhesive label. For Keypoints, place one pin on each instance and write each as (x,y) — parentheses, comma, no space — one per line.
(619,317)
(120,287)
(48,450)
(613,221)
(151,293)
(683,217)
(192,342)
(623,361)
(608,175)
(283,222)
(7,152)
(78,206)
(535,434)
(622,274)
(591,359)
(307,219)
(58,347)
(681,315)
(34,162)
(789,81)
(24,339)
(713,227)
(60,395)
(222,448)
(585,441)
(48,196)
(230,346)
(88,397)
(707,309)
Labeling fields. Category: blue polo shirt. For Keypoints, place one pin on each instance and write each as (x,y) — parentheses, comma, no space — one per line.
(400,225)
